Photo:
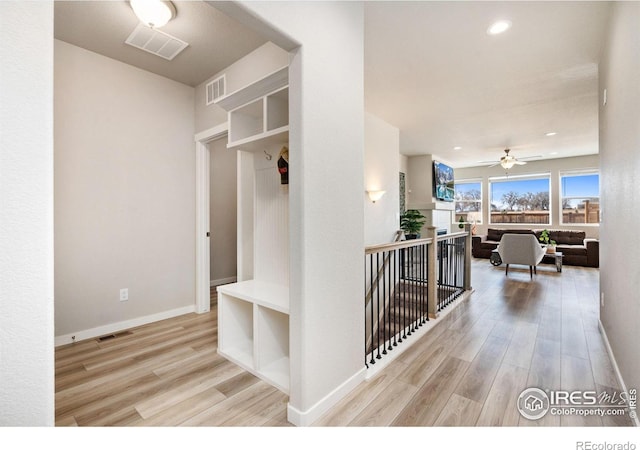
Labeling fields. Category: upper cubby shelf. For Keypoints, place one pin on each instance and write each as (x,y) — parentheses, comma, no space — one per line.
(259,113)
(269,83)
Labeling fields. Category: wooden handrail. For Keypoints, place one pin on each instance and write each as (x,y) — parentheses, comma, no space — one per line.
(395,245)
(443,237)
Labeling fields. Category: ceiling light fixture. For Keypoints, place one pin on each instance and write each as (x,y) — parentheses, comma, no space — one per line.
(457,148)
(507,163)
(499,27)
(153,13)
(551,133)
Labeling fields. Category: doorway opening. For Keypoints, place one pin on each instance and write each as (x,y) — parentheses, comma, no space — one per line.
(222,215)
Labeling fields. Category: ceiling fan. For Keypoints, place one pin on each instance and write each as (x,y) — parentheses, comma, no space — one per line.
(508,161)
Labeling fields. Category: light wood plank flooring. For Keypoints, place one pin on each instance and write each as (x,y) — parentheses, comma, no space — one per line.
(468,370)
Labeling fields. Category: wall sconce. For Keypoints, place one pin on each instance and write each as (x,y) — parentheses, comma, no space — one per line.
(375,195)
(153,13)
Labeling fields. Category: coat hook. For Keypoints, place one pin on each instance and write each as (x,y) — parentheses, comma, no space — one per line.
(267,156)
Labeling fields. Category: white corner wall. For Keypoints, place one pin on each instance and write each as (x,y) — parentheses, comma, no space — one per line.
(26,221)
(124,189)
(326,183)
(620,189)
(381,172)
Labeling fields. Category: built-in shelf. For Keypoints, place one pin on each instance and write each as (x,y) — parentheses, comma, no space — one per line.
(253,329)
(261,141)
(259,113)
(271,82)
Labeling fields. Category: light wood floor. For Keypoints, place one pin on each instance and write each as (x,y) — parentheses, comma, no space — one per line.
(468,370)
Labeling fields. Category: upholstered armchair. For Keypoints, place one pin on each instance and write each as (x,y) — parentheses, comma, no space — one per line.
(520,249)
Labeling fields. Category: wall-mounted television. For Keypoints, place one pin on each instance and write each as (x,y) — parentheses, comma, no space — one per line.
(443,186)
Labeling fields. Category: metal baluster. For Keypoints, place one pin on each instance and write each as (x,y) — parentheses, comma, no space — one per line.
(389,304)
(410,301)
(366,350)
(392,302)
(426,279)
(423,313)
(416,294)
(404,291)
(421,276)
(384,307)
(378,301)
(373,361)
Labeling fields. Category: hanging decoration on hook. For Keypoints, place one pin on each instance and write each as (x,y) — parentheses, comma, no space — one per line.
(283,165)
(267,155)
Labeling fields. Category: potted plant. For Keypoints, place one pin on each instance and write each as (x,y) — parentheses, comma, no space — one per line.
(549,243)
(411,223)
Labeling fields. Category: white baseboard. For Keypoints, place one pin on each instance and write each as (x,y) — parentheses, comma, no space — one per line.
(306,418)
(120,326)
(623,386)
(221,281)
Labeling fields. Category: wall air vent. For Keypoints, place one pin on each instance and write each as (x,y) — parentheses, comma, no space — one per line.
(156,42)
(215,89)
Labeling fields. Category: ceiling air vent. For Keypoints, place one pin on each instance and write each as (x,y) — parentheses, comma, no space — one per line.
(156,42)
(215,89)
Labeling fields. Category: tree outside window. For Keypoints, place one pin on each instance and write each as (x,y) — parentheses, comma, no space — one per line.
(468,201)
(520,201)
(580,198)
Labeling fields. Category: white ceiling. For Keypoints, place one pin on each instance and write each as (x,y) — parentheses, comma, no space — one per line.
(430,68)
(433,71)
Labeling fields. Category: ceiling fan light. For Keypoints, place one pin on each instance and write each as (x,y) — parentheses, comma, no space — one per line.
(153,13)
(507,163)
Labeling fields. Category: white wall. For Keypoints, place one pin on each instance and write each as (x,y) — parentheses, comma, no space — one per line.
(124,190)
(551,166)
(261,62)
(381,172)
(222,212)
(419,185)
(270,218)
(620,193)
(326,184)
(26,220)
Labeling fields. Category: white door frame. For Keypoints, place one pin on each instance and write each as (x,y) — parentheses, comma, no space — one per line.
(203,285)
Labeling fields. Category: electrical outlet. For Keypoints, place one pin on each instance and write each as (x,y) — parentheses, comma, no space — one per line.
(602,299)
(124,295)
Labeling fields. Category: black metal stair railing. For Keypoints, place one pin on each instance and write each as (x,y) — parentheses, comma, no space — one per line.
(396,277)
(409,282)
(451,269)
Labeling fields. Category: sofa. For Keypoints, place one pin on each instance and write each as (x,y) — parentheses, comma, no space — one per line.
(576,248)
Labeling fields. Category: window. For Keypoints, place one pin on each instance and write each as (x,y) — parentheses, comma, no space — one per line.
(468,198)
(520,200)
(580,198)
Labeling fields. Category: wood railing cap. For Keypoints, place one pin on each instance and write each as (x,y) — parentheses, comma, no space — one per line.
(396,245)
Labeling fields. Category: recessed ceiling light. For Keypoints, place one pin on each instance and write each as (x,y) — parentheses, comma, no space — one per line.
(499,27)
(551,133)
(553,153)
(457,148)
